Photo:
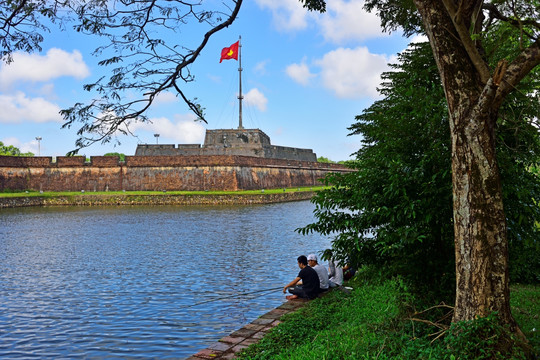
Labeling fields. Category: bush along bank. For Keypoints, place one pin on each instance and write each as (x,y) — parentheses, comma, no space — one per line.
(378,320)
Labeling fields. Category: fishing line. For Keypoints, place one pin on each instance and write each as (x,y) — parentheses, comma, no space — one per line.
(235,295)
(167,322)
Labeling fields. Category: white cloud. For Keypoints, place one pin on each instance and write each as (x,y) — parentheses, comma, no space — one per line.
(260,67)
(299,73)
(256,98)
(12,141)
(214,78)
(31,146)
(352,73)
(418,39)
(18,108)
(287,14)
(343,20)
(184,129)
(37,68)
(47,90)
(166,97)
(347,20)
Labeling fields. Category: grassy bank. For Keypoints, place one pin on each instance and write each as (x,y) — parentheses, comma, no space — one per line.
(374,321)
(121,198)
(49,194)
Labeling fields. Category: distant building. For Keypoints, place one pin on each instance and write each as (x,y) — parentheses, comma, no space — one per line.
(244,142)
(231,142)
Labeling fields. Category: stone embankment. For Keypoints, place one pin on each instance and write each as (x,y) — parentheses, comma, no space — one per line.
(161,199)
(229,346)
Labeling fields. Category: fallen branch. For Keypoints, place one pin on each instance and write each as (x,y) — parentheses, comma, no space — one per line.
(442,305)
(440,326)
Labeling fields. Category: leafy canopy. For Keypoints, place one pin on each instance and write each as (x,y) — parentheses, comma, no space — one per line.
(121,156)
(10,150)
(395,211)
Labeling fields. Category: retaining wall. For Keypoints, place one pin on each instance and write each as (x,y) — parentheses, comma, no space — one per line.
(160,199)
(150,173)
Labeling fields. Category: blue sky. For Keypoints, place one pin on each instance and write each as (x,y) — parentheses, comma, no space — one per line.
(306,75)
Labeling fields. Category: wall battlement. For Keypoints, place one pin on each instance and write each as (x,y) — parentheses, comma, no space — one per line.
(144,173)
(230,142)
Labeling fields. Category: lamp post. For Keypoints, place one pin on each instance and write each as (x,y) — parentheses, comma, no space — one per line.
(38,138)
(156,136)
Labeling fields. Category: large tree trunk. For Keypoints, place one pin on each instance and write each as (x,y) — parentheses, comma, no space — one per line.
(479,222)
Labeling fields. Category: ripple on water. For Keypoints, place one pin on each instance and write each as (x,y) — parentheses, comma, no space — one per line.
(141,282)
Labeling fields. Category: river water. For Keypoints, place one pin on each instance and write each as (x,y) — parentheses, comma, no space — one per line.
(142,282)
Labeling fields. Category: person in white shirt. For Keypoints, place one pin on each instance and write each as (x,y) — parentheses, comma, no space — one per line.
(321,271)
(335,273)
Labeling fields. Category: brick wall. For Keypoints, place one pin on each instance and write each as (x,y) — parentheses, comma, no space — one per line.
(230,142)
(22,161)
(70,161)
(105,161)
(170,173)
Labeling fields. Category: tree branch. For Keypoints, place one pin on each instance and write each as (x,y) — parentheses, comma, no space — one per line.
(518,69)
(496,14)
(196,108)
(461,28)
(156,66)
(437,325)
(191,57)
(8,22)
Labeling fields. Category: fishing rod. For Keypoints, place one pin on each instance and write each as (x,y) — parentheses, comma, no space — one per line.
(235,295)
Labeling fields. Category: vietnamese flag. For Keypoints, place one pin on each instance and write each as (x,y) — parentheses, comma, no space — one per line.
(230,52)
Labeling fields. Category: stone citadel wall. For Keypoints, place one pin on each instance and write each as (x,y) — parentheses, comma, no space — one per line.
(147,173)
(230,142)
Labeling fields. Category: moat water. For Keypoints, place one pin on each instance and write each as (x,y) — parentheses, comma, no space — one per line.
(142,282)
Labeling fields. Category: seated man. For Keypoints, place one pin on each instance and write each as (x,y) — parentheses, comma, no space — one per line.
(310,282)
(335,273)
(321,271)
(348,272)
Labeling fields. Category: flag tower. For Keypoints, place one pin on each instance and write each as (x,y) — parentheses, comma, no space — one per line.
(234,52)
(240,96)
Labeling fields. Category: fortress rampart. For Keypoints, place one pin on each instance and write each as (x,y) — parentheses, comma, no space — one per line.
(225,142)
(147,173)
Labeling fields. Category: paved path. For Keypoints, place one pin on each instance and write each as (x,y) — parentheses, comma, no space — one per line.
(227,347)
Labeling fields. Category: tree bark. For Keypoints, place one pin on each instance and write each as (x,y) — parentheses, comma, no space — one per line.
(481,246)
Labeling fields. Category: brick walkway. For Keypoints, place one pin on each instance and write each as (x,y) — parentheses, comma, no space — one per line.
(227,347)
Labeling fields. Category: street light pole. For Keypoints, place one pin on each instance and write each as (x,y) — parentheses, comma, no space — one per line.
(156,136)
(38,138)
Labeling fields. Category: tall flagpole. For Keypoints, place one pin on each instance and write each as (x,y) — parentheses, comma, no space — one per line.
(240,97)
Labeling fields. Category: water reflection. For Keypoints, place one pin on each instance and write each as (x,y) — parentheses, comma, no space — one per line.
(125,282)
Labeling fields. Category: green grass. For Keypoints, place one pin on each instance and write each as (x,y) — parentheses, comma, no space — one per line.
(525,303)
(372,323)
(33,193)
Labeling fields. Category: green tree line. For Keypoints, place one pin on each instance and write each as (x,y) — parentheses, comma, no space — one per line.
(395,210)
(486,55)
(10,150)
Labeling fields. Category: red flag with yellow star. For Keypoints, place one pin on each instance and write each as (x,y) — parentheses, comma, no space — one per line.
(230,52)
